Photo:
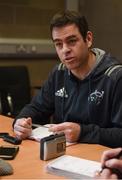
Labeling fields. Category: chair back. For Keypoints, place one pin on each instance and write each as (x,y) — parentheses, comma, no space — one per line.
(14,89)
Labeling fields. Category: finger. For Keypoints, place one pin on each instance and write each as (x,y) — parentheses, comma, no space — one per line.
(57,128)
(21,136)
(106,174)
(114,163)
(51,127)
(114,176)
(27,122)
(21,132)
(109,154)
(22,127)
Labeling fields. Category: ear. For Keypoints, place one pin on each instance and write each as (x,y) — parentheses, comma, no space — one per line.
(89,39)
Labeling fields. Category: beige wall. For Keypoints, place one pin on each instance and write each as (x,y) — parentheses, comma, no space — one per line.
(29,19)
(105,19)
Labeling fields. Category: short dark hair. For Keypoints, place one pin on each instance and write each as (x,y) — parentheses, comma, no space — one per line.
(70,17)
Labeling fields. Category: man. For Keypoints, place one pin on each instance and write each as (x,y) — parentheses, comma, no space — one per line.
(83,93)
(110,161)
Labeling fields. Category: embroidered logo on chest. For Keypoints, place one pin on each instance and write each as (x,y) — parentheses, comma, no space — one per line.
(96,97)
(61,93)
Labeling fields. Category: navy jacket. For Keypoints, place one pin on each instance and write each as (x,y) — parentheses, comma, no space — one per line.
(95,102)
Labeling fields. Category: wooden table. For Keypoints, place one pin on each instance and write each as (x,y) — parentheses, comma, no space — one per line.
(27,164)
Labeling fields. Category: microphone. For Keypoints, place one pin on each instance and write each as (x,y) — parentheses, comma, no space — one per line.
(5,168)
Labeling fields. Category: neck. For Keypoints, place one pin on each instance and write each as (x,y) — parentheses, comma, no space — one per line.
(86,67)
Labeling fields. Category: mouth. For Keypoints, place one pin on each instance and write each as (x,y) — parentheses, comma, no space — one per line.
(69,59)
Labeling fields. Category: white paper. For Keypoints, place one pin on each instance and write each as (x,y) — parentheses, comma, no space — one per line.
(40,132)
(43,131)
(73,167)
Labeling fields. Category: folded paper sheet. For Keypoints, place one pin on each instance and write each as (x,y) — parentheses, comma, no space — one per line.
(43,131)
(40,132)
(73,167)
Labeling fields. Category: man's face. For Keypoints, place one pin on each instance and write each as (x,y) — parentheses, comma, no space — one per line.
(71,48)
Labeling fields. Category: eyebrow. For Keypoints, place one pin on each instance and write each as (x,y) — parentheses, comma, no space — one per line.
(67,38)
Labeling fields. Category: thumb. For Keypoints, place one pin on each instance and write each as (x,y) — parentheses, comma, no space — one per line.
(29,120)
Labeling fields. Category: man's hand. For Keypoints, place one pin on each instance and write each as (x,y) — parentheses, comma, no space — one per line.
(109,161)
(71,130)
(23,128)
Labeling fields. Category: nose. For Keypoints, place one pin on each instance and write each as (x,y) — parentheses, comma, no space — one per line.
(66,48)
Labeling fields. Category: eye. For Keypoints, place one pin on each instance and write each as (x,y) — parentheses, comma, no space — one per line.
(58,45)
(72,41)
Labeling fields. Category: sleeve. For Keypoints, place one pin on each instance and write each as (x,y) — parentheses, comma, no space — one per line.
(111,136)
(93,134)
(41,106)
